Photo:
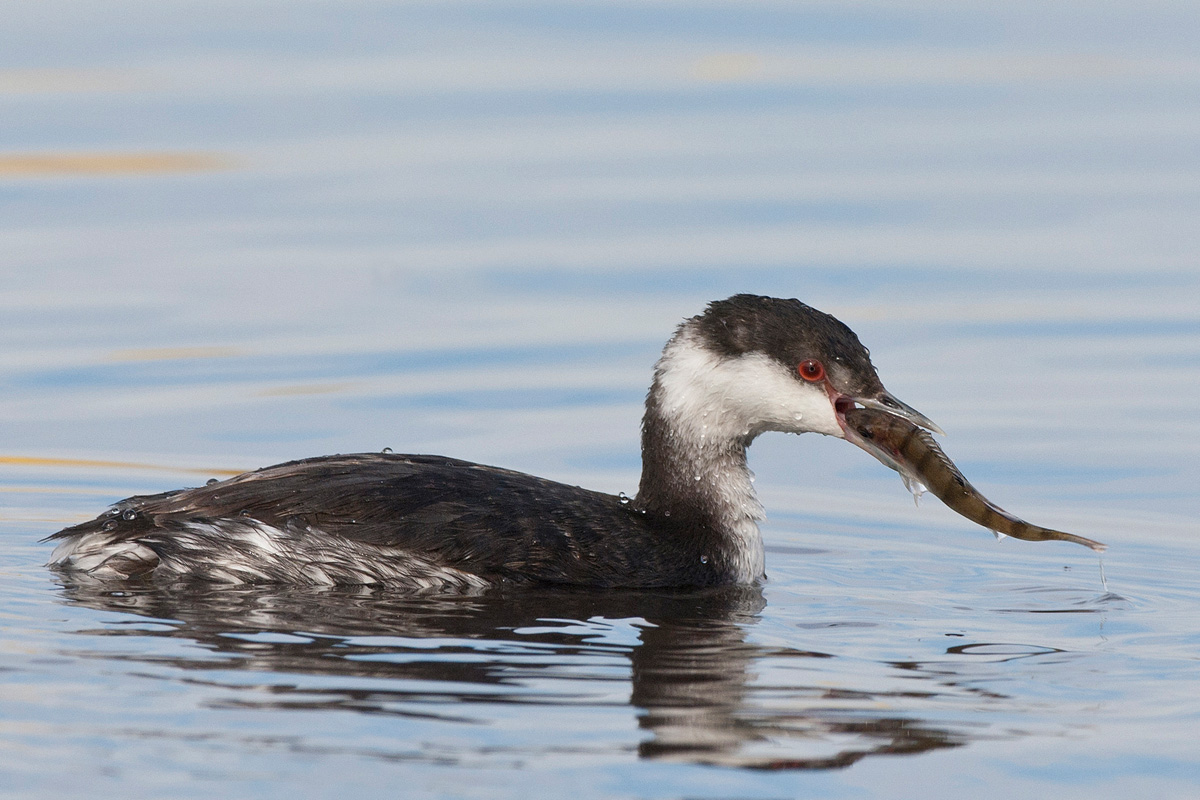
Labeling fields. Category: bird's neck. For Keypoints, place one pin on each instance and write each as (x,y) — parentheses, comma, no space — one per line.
(694,458)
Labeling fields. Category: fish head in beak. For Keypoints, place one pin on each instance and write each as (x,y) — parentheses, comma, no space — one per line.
(850,406)
(853,383)
(885,402)
(889,456)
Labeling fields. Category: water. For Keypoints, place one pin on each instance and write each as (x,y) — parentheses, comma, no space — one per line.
(235,235)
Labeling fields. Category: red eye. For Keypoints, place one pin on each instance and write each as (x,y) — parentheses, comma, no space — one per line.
(811,370)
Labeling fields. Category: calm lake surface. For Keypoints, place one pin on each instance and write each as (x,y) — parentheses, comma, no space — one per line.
(237,234)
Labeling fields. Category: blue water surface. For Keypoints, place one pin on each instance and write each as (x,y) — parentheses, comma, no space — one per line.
(236,234)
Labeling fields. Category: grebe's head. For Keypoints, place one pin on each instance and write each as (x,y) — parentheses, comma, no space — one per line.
(751,364)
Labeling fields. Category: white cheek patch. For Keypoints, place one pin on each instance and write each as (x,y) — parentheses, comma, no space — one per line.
(741,397)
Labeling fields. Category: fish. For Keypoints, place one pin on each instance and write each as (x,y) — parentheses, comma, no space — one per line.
(912,451)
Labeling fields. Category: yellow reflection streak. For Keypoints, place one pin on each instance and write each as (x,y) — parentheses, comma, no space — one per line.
(39,81)
(727,67)
(24,165)
(305,388)
(173,353)
(35,461)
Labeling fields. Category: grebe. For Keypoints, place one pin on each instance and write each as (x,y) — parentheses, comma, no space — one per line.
(746,365)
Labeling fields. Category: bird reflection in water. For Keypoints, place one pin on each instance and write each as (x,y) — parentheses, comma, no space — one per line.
(450,658)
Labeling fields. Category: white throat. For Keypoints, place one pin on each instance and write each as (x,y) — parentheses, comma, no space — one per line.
(710,408)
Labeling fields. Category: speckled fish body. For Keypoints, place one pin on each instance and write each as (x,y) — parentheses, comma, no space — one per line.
(912,451)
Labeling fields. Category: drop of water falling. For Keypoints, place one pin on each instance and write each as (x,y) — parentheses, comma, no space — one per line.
(915,486)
